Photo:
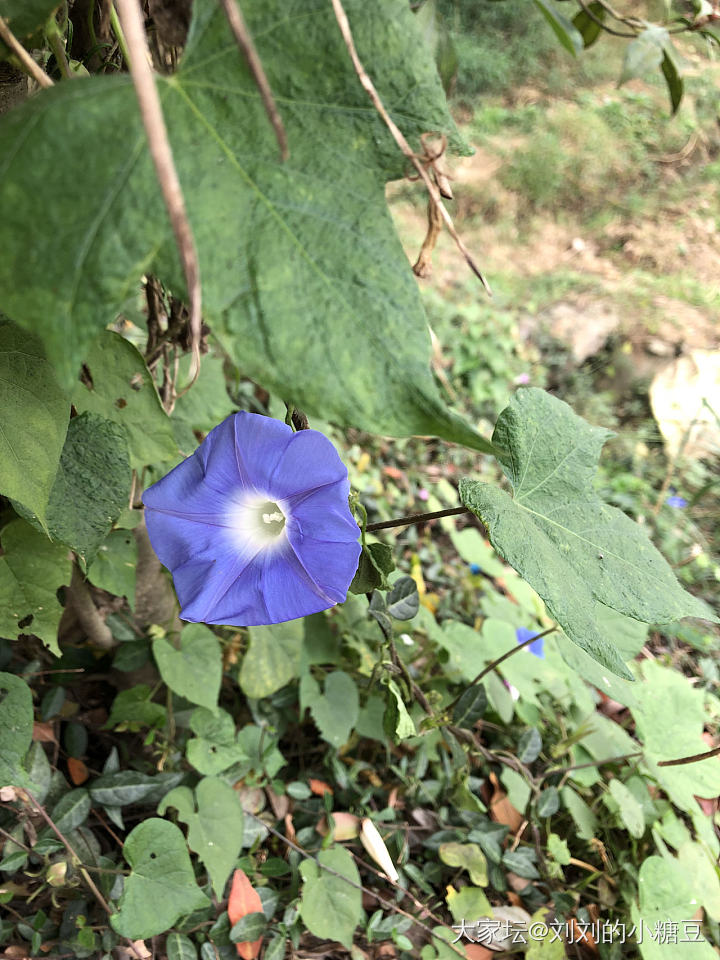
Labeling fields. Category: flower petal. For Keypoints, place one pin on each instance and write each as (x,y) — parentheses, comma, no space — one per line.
(259,443)
(331,565)
(523,634)
(216,455)
(323,514)
(309,461)
(184,493)
(272,588)
(175,539)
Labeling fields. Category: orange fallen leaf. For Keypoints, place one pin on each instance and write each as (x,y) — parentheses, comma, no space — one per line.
(476,951)
(319,787)
(244,899)
(77,770)
(582,935)
(395,473)
(44,732)
(501,810)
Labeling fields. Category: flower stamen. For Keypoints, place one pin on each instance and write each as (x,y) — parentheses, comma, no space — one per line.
(259,520)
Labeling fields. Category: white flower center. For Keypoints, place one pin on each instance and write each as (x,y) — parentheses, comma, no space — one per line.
(258,520)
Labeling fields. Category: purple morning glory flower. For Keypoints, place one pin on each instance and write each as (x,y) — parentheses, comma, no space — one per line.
(523,634)
(255,525)
(677,502)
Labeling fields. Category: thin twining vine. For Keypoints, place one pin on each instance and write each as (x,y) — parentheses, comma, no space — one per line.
(420,163)
(131,20)
(496,663)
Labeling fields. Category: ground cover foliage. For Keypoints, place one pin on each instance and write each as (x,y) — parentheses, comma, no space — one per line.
(376,778)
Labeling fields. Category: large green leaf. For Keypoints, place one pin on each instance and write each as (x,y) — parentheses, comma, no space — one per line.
(629,809)
(193,667)
(666,897)
(215,828)
(115,565)
(273,658)
(203,407)
(466,856)
(34,414)
(331,908)
(92,484)
(571,547)
(161,886)
(72,810)
(335,710)
(305,283)
(16,707)
(26,16)
(118,386)
(180,947)
(215,746)
(120,787)
(668,694)
(31,571)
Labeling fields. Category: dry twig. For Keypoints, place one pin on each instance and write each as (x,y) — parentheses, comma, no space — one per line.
(245,42)
(26,61)
(423,265)
(400,140)
(151,110)
(696,758)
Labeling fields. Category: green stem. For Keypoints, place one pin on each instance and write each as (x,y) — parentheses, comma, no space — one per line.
(57,45)
(119,35)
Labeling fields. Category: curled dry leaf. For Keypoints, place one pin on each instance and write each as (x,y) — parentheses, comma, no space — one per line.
(375,846)
(15,953)
(501,809)
(280,803)
(133,950)
(346,826)
(386,951)
(44,732)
